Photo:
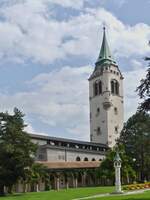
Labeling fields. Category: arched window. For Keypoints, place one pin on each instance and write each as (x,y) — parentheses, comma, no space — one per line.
(85,159)
(115,87)
(78,158)
(100,87)
(112,87)
(97,88)
(93,159)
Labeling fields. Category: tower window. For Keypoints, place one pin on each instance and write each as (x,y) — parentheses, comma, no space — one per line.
(115,110)
(97,111)
(98,131)
(116,129)
(100,87)
(115,87)
(97,88)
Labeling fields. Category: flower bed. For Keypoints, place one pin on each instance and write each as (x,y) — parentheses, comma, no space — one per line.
(137,186)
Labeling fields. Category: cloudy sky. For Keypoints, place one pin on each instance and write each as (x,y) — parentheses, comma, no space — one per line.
(48,49)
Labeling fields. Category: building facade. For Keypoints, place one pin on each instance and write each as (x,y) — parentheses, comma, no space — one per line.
(53,149)
(106,98)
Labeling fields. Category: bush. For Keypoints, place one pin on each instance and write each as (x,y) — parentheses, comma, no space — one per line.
(137,186)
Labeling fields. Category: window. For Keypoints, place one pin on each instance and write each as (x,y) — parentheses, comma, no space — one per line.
(112,87)
(97,111)
(116,129)
(93,159)
(78,158)
(85,159)
(100,87)
(97,88)
(115,87)
(98,131)
(115,110)
(41,157)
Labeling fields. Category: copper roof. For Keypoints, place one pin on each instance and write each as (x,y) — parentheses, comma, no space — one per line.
(71,165)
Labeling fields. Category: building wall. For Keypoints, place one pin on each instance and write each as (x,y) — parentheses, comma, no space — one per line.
(54,155)
(107,119)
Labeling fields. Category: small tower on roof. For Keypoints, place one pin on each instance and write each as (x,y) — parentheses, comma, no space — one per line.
(106,98)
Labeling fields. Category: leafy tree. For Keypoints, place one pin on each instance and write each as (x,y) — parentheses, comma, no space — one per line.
(16,149)
(144,90)
(36,174)
(135,137)
(107,172)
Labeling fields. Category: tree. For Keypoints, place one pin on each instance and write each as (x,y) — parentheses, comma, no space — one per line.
(107,172)
(144,90)
(16,149)
(36,174)
(135,137)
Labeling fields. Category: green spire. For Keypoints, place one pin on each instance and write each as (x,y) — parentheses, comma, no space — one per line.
(117,157)
(105,53)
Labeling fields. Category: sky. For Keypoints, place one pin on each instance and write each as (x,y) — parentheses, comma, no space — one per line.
(47,52)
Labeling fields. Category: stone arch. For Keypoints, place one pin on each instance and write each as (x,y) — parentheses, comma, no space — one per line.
(86,159)
(114,87)
(97,88)
(78,158)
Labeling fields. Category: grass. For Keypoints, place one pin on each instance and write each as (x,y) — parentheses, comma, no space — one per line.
(76,193)
(143,196)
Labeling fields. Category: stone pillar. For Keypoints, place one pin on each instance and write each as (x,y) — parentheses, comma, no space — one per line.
(83,179)
(117,179)
(117,166)
(75,182)
(57,182)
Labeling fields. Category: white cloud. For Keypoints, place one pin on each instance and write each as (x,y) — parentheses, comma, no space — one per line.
(131,81)
(61,100)
(33,33)
(29,129)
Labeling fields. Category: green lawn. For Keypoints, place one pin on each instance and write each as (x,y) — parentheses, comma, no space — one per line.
(75,193)
(144,196)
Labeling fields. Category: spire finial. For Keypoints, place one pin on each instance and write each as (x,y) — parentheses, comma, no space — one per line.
(105,54)
(104,26)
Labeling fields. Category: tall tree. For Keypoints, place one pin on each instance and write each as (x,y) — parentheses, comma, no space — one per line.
(39,173)
(16,149)
(107,172)
(135,137)
(144,90)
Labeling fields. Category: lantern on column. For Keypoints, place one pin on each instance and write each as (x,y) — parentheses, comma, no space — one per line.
(117,166)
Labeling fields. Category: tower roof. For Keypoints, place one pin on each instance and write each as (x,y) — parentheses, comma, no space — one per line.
(117,157)
(105,55)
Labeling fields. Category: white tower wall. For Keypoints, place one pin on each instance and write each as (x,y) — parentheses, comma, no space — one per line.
(106,109)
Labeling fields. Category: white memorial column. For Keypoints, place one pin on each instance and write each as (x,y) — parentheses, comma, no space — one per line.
(117,166)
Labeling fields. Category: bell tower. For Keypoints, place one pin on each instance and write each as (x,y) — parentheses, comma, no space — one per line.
(106,98)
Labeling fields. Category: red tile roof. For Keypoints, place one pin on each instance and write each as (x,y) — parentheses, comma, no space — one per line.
(71,165)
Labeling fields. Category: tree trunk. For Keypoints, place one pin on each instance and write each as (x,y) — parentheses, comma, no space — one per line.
(2,190)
